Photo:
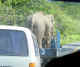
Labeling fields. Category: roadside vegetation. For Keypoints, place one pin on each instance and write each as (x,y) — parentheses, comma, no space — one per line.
(67,15)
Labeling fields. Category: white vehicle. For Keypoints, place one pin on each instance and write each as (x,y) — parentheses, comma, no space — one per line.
(18,47)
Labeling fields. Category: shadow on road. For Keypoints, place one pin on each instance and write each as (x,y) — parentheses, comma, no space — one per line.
(70,59)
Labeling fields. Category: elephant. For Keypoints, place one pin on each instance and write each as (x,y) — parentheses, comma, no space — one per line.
(42,27)
(49,30)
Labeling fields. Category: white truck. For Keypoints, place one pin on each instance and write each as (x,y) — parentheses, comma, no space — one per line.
(19,48)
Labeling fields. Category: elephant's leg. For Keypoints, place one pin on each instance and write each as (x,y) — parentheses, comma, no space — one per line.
(44,43)
(40,43)
(48,40)
(48,44)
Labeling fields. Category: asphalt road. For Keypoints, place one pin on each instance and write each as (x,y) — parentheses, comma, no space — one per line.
(72,45)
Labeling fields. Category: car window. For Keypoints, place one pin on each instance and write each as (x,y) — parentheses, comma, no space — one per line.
(13,43)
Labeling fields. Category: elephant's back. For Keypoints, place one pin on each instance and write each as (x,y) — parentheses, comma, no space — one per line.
(38,21)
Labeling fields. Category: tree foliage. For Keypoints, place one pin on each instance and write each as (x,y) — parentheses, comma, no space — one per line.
(67,15)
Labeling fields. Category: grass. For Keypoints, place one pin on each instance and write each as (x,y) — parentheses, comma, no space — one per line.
(70,39)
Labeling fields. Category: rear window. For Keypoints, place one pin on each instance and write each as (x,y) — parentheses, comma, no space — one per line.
(13,43)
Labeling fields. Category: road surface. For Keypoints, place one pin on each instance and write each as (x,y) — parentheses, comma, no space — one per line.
(72,45)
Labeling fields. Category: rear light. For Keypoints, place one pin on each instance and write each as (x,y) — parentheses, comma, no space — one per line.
(32,65)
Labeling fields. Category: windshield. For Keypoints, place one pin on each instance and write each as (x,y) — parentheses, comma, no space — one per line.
(13,43)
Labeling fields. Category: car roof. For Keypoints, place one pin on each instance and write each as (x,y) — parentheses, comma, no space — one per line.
(14,28)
